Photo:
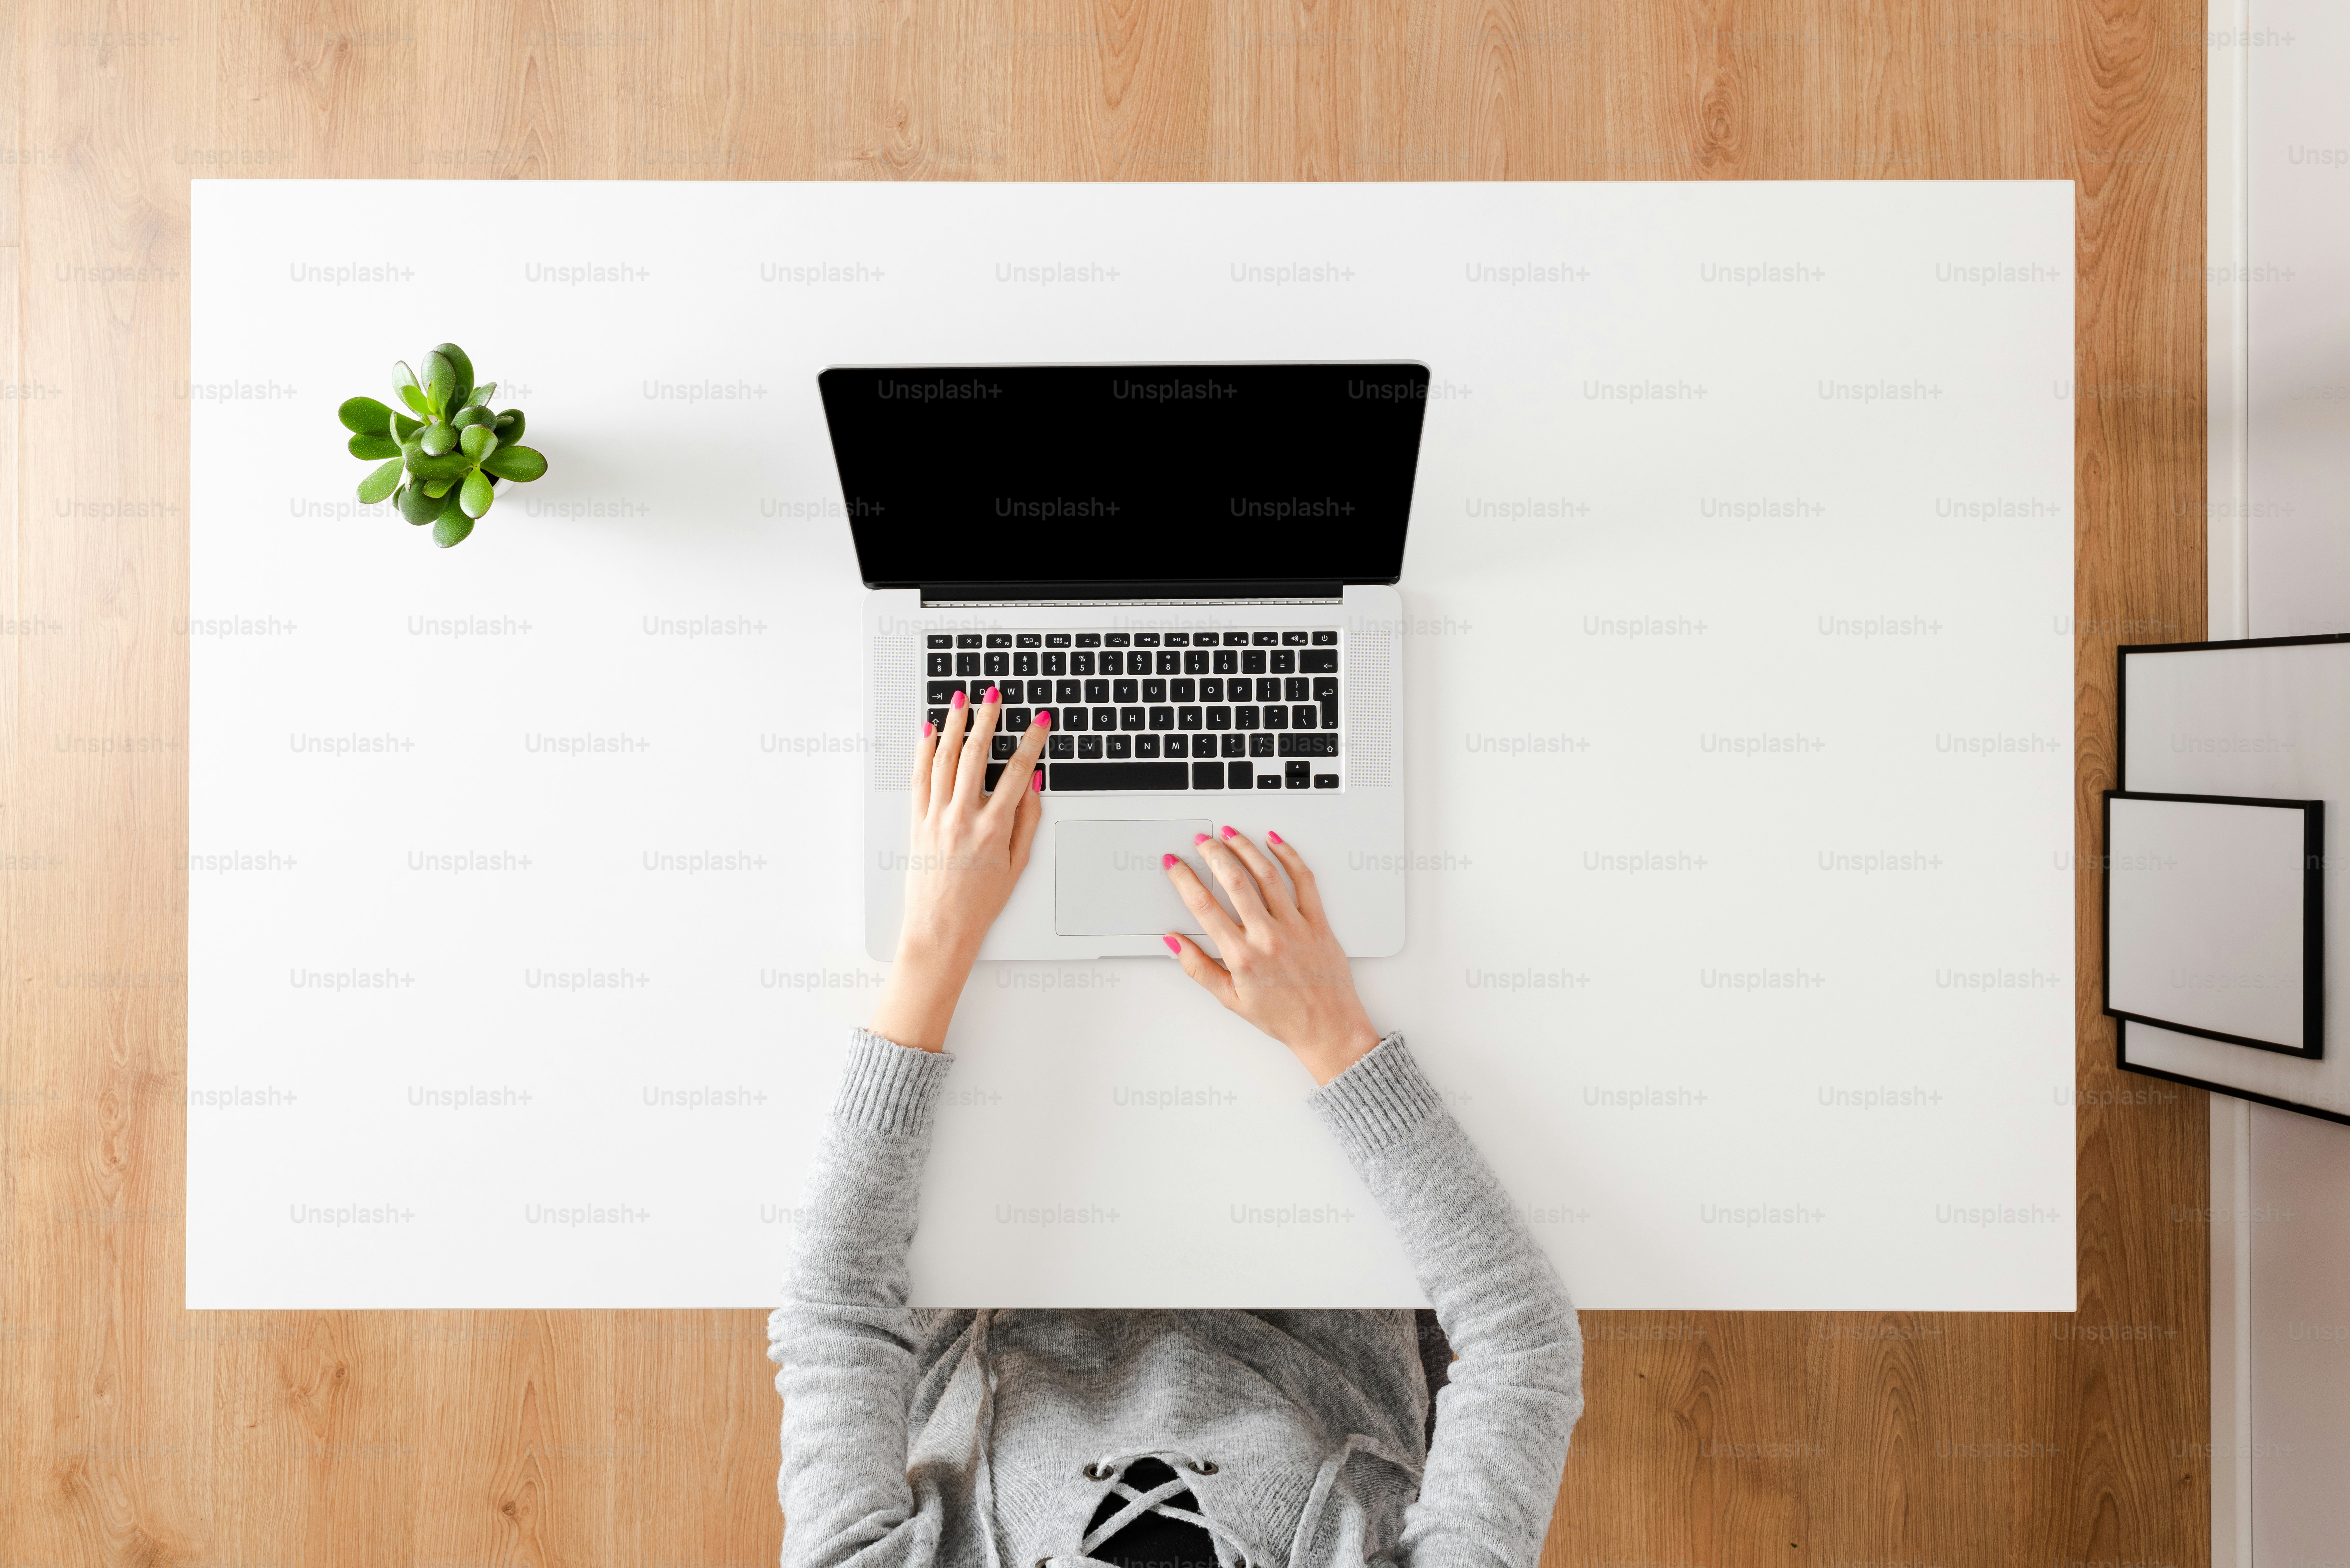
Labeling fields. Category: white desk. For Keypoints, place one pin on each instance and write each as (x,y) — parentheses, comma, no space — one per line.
(1741,899)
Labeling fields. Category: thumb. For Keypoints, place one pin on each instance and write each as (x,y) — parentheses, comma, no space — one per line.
(1211,976)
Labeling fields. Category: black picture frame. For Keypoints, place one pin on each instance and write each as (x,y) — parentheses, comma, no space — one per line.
(2121,778)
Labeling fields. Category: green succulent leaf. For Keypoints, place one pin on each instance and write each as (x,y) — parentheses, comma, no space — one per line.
(365,416)
(419,505)
(478,440)
(404,383)
(452,526)
(472,415)
(381,482)
(482,395)
(439,380)
(439,436)
(429,467)
(440,487)
(476,495)
(519,464)
(461,390)
(511,425)
(373,446)
(402,427)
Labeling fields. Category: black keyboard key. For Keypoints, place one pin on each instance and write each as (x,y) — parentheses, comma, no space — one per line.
(1304,715)
(1154,690)
(1117,639)
(940,664)
(1024,664)
(940,640)
(1235,640)
(1234,746)
(1320,661)
(1176,745)
(1056,664)
(1227,661)
(1067,691)
(1186,717)
(1207,775)
(1169,661)
(1120,747)
(1299,773)
(1039,693)
(942,693)
(1211,691)
(1178,640)
(1313,744)
(1245,718)
(999,665)
(1220,718)
(967,665)
(1062,745)
(937,718)
(1027,639)
(1276,717)
(1292,640)
(1183,691)
(1253,662)
(1126,691)
(1241,775)
(1113,662)
(1129,719)
(1330,714)
(1146,746)
(967,639)
(1105,717)
(1327,688)
(1017,719)
(1088,639)
(1196,661)
(1133,776)
(1146,639)
(1285,661)
(1000,747)
(1096,691)
(1071,719)
(1326,639)
(1162,717)
(1325,781)
(1081,663)
(1056,639)
(999,639)
(1265,638)
(1260,744)
(1090,746)
(1296,688)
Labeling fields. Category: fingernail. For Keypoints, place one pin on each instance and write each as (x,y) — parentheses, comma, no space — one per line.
(1271,837)
(1044,717)
(994,695)
(1230,834)
(1198,838)
(960,700)
(926,728)
(1167,862)
(1173,946)
(1037,781)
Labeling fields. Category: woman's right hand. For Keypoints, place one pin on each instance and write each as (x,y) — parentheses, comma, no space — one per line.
(1281,969)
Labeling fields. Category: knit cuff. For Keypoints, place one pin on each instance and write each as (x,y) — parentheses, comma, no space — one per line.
(1376,1102)
(888,1088)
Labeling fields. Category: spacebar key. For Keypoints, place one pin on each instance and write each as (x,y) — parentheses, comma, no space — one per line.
(1118,775)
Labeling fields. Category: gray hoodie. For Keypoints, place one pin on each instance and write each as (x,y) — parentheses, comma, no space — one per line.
(987,1438)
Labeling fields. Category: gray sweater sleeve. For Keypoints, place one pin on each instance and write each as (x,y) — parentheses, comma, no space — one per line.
(1504,1419)
(843,1337)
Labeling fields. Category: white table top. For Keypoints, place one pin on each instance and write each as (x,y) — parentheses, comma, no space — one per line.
(524,933)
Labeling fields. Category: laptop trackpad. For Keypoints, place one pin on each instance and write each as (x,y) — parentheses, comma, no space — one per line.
(1108,880)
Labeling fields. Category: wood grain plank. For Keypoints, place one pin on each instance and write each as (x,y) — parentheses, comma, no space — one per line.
(145,1434)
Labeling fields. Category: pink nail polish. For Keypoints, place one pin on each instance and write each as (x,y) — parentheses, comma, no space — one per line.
(1198,838)
(1173,946)
(1228,833)
(1044,717)
(960,700)
(1167,862)
(1036,781)
(1272,838)
(994,695)
(927,728)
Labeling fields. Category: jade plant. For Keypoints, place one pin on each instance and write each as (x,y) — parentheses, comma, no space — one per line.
(443,466)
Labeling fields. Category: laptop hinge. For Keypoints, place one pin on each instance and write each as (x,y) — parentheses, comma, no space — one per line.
(1226,591)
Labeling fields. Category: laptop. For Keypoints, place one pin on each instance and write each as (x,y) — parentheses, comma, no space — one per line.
(1193,568)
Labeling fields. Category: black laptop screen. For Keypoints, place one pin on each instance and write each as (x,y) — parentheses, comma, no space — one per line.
(1107,474)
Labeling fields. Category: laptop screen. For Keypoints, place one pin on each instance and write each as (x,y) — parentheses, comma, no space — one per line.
(1127,473)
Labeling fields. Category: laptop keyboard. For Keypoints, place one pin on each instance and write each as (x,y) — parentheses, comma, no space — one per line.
(1154,710)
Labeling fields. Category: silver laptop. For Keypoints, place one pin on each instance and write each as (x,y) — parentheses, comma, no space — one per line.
(1192,568)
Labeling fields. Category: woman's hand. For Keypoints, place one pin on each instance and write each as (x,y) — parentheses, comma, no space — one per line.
(966,850)
(1282,969)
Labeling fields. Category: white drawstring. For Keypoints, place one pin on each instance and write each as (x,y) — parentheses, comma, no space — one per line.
(1309,1518)
(984,1483)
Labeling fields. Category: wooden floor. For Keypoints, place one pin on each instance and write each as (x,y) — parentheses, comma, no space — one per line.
(139,1434)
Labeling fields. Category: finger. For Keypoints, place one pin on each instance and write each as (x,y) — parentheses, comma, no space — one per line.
(1239,882)
(1025,819)
(971,772)
(1213,977)
(1301,875)
(1014,787)
(925,754)
(950,750)
(1200,902)
(1268,877)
